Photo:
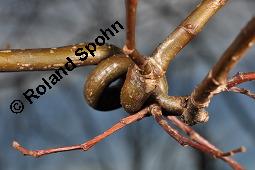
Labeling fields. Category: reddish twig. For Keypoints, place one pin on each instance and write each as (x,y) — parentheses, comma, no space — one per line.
(242,91)
(240,78)
(190,132)
(234,151)
(87,145)
(131,6)
(136,57)
(199,139)
(184,141)
(130,45)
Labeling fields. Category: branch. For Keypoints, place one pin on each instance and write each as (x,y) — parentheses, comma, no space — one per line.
(87,145)
(199,139)
(186,31)
(130,45)
(204,146)
(51,58)
(242,91)
(131,6)
(216,79)
(240,78)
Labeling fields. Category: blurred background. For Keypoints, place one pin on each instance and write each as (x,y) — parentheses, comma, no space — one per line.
(62,117)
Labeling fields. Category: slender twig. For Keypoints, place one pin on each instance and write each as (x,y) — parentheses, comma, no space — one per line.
(189,131)
(87,145)
(137,58)
(186,31)
(216,79)
(131,6)
(130,45)
(156,112)
(240,78)
(199,139)
(242,91)
(234,151)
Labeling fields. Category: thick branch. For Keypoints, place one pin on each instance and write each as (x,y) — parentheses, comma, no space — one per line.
(186,31)
(87,145)
(51,58)
(216,79)
(218,75)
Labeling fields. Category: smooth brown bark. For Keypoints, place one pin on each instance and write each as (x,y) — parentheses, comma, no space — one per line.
(51,58)
(216,80)
(186,31)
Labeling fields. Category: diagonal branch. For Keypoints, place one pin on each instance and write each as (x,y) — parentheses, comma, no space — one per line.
(157,114)
(199,139)
(240,78)
(242,91)
(87,145)
(186,31)
(216,79)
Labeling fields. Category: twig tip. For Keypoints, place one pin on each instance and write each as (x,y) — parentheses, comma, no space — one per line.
(243,149)
(15,144)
